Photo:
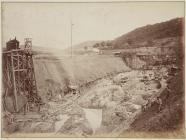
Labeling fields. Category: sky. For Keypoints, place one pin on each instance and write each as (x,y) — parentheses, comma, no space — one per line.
(49,24)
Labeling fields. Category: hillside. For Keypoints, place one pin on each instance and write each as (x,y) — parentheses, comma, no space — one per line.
(146,36)
(172,28)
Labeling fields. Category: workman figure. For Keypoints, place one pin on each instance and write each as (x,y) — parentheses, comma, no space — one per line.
(159,102)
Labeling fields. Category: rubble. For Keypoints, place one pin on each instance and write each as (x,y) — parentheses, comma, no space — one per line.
(108,106)
(122,101)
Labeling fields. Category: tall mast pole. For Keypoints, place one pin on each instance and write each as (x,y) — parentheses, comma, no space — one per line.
(71,36)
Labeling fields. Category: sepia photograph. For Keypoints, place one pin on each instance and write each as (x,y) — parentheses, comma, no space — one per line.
(93,69)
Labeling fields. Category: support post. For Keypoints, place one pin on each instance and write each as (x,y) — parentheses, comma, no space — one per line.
(18,73)
(14,83)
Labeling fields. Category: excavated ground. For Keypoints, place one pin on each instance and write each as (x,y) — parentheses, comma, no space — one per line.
(169,122)
(106,108)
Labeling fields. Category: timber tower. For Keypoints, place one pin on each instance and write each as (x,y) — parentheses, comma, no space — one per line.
(19,81)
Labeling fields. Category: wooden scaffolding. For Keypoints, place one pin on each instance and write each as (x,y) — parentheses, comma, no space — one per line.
(18,73)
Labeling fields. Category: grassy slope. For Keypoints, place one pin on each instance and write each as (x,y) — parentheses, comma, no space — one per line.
(79,70)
